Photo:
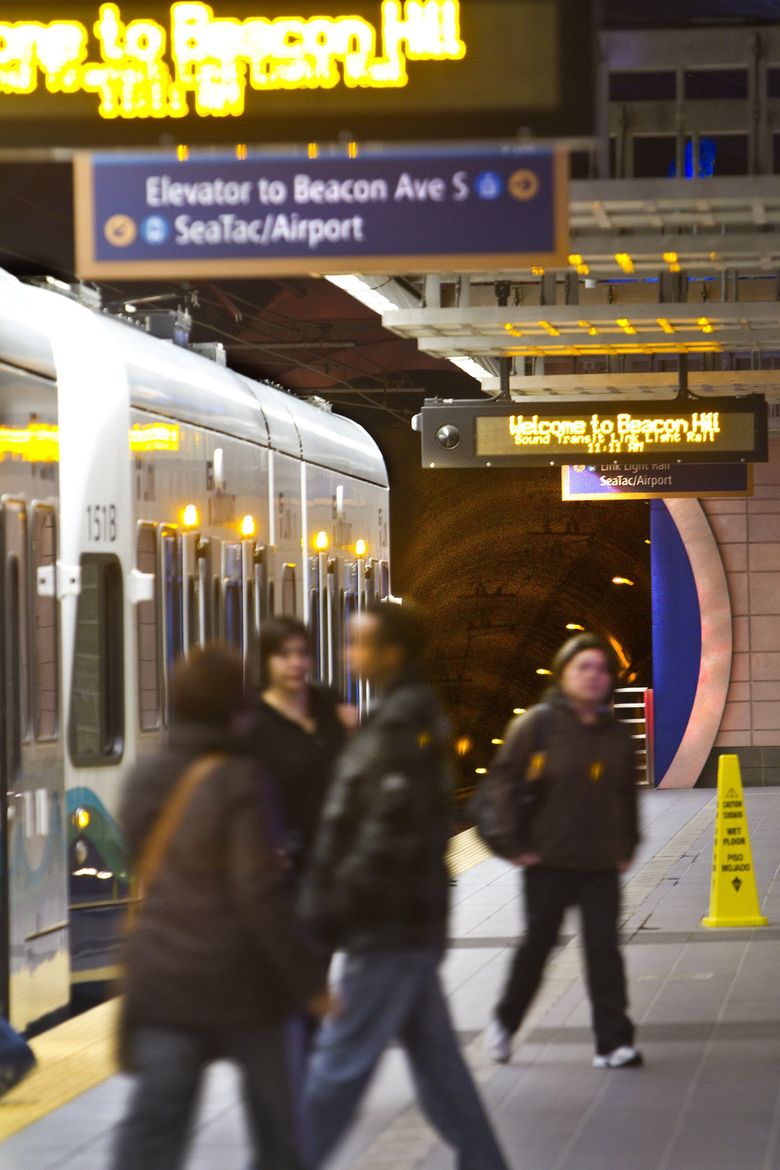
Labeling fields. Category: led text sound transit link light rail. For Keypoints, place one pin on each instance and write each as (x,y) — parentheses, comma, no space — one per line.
(687,430)
(141,69)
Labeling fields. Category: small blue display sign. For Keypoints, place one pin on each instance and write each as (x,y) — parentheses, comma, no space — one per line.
(151,214)
(618,481)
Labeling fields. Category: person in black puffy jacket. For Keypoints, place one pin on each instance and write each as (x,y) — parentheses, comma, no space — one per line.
(378,888)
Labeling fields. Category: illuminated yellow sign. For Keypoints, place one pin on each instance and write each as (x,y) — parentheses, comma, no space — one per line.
(140,69)
(681,430)
(154,437)
(38,443)
(625,433)
(622,433)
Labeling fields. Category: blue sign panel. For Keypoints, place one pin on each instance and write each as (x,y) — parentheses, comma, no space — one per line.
(619,481)
(150,214)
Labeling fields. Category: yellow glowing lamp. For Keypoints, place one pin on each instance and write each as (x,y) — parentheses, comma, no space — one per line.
(321,542)
(497,741)
(81,819)
(481,771)
(248,526)
(361,548)
(190,517)
(574,626)
(463,745)
(543,670)
(622,581)
(518,710)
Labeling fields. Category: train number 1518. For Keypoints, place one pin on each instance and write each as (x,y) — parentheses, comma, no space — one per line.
(101,523)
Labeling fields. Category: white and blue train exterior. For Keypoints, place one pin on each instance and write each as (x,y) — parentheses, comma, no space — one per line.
(150,500)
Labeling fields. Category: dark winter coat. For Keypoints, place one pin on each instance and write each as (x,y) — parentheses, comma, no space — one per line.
(301,765)
(585,816)
(216,940)
(378,878)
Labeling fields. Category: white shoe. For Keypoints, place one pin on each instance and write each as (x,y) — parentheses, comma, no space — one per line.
(623,1057)
(498,1042)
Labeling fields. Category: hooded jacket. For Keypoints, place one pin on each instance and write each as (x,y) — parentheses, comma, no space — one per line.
(216,939)
(586,814)
(378,878)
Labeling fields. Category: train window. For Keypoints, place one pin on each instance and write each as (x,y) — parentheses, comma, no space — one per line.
(172,606)
(348,680)
(289,592)
(384,580)
(315,632)
(232,595)
(46,687)
(203,603)
(148,634)
(96,731)
(17,584)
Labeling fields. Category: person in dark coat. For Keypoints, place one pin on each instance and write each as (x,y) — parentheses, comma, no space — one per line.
(297,730)
(573,846)
(217,960)
(378,888)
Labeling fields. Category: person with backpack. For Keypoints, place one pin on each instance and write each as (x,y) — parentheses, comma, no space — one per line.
(560,802)
(216,963)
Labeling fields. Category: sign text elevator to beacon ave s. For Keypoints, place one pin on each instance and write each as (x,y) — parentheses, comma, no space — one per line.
(689,430)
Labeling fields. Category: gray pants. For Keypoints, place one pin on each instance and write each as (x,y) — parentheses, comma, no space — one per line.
(395,995)
(168,1065)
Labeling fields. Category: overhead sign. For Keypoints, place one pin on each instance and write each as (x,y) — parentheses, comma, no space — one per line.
(206,64)
(85,73)
(150,215)
(714,430)
(656,481)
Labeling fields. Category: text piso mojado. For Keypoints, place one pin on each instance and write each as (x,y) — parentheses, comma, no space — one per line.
(305,191)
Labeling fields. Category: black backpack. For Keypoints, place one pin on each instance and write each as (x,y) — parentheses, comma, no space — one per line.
(530,792)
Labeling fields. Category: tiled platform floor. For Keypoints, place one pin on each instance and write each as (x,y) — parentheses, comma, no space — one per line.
(707,1003)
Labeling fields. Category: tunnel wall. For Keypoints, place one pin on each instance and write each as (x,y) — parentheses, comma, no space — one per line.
(748,536)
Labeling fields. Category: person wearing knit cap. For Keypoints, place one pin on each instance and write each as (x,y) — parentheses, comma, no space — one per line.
(562,799)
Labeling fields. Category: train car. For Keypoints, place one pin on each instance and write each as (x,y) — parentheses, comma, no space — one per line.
(150,500)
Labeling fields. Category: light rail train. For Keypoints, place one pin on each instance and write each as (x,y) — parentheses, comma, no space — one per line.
(150,500)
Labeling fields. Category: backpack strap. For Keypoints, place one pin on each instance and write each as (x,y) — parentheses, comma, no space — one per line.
(164,828)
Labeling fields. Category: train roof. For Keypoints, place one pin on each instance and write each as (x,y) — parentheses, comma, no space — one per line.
(172,381)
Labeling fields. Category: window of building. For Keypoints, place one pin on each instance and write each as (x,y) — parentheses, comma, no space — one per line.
(654,155)
(716,85)
(96,731)
(643,85)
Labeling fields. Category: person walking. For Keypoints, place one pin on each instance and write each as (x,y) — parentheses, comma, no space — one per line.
(216,961)
(378,888)
(297,730)
(561,803)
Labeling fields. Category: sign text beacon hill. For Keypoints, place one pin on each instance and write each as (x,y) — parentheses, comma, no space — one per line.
(140,69)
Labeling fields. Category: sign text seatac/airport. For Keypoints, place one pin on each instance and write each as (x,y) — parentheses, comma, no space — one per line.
(713,430)
(392,211)
(656,481)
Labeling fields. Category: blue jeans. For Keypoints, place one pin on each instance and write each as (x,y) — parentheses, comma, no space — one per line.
(168,1064)
(397,995)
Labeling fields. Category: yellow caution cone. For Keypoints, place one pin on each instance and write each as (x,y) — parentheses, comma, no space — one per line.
(733,894)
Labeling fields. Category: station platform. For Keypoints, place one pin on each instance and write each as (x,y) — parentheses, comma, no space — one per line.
(707,1003)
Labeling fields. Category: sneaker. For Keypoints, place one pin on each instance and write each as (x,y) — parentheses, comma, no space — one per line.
(498,1042)
(14,1072)
(623,1057)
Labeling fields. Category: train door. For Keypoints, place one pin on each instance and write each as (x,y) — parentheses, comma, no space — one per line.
(34,910)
